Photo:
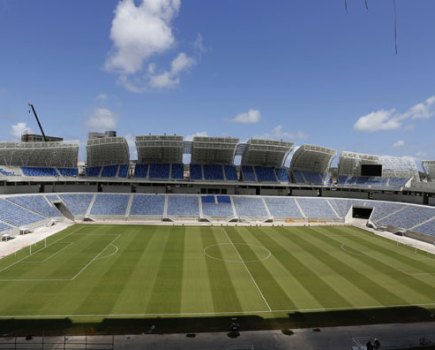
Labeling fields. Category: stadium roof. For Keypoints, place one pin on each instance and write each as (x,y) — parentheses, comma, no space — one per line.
(429,167)
(312,158)
(107,151)
(159,149)
(264,152)
(213,150)
(39,154)
(400,167)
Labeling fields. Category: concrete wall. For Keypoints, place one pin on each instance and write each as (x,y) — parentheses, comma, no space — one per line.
(345,194)
(19,189)
(305,193)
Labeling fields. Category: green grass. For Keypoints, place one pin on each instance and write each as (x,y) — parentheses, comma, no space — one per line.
(100,273)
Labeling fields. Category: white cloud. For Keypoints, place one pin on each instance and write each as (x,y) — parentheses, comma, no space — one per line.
(170,78)
(379,120)
(252,116)
(102,119)
(278,133)
(199,133)
(18,129)
(399,144)
(382,119)
(139,32)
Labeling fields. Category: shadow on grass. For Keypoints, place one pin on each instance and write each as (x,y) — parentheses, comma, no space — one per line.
(23,327)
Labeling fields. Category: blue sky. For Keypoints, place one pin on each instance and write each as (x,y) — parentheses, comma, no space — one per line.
(304,71)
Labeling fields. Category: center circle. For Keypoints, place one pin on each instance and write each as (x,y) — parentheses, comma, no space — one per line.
(235,252)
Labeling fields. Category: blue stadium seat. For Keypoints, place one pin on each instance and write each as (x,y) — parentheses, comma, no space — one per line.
(4,227)
(109,171)
(141,171)
(317,208)
(177,171)
(213,172)
(7,172)
(17,216)
(159,171)
(217,207)
(265,174)
(250,207)
(39,171)
(248,173)
(179,205)
(123,170)
(230,173)
(110,204)
(147,205)
(283,208)
(68,171)
(37,204)
(282,174)
(77,204)
(196,172)
(93,171)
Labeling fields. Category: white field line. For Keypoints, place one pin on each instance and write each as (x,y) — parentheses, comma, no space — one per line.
(111,254)
(28,256)
(94,258)
(247,270)
(60,279)
(187,314)
(343,247)
(49,257)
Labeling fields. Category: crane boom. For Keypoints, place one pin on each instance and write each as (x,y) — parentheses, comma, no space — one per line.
(37,120)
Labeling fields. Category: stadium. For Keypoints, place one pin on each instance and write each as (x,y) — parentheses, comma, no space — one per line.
(229,175)
(260,230)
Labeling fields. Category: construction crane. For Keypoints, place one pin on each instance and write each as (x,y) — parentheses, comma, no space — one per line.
(37,120)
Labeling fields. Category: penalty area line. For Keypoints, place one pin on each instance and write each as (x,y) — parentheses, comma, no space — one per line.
(94,258)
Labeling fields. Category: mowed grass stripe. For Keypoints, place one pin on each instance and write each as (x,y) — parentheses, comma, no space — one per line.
(405,286)
(166,292)
(422,284)
(367,290)
(74,257)
(285,252)
(196,294)
(106,277)
(224,295)
(402,256)
(17,298)
(135,263)
(272,291)
(295,291)
(250,297)
(319,263)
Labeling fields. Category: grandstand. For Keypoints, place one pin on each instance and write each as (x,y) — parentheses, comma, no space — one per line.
(429,167)
(106,156)
(212,158)
(393,172)
(262,160)
(38,158)
(159,157)
(310,164)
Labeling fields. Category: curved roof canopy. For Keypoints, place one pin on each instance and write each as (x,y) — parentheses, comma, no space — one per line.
(40,154)
(312,158)
(267,153)
(159,149)
(400,167)
(107,151)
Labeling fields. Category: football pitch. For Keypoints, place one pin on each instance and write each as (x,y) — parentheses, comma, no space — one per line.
(95,272)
